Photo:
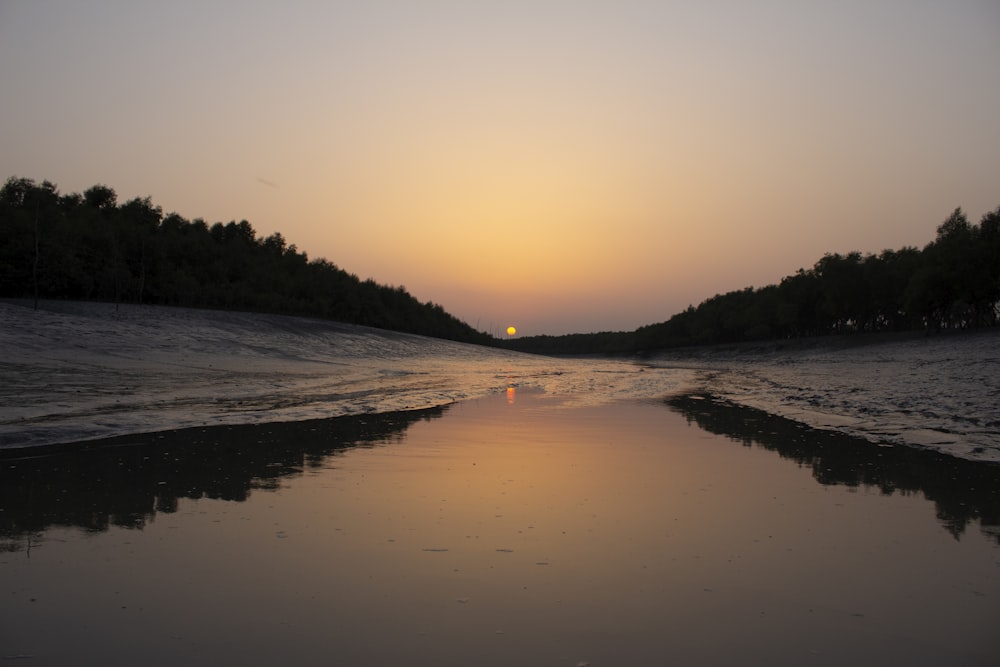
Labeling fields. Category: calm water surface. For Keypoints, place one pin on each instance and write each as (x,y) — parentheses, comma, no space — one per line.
(508,530)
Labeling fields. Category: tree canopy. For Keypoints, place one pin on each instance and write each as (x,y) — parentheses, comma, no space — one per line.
(953,283)
(89,247)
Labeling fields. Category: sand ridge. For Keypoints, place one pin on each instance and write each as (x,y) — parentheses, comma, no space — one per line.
(76,371)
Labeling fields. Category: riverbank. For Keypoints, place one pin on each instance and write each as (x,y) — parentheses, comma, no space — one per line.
(938,392)
(79,371)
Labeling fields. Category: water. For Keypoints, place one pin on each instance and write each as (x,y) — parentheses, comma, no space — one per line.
(345,496)
(509,529)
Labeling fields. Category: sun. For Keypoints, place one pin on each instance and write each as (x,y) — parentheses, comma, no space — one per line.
(511,331)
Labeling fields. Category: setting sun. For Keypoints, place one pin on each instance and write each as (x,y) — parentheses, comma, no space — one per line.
(511,331)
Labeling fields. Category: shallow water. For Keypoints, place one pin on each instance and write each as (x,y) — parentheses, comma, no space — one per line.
(518,528)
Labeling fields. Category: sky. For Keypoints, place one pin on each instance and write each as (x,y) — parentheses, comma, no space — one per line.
(561,167)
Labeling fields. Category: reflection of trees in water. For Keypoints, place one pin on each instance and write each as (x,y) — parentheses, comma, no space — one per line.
(125,481)
(961,490)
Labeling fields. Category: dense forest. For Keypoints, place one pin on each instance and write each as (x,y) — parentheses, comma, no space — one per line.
(90,247)
(953,283)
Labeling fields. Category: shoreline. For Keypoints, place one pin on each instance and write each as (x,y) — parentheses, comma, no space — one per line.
(831,343)
(934,392)
(81,372)
(716,414)
(160,469)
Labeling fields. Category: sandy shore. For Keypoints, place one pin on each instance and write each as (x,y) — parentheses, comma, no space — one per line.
(79,371)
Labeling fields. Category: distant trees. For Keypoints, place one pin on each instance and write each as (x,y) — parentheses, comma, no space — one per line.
(957,284)
(953,283)
(91,247)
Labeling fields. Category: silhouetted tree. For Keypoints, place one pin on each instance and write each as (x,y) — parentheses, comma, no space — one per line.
(954,282)
(90,247)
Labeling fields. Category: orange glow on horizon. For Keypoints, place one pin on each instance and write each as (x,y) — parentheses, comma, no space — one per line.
(497,163)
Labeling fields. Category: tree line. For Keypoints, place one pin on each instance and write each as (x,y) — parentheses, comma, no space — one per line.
(89,247)
(952,283)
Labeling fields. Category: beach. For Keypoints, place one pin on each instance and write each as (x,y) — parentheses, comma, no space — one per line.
(534,511)
(78,371)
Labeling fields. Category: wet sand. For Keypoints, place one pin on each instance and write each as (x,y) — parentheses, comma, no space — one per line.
(79,371)
(505,530)
(937,391)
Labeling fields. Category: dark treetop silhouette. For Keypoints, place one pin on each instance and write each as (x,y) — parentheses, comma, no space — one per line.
(953,283)
(90,247)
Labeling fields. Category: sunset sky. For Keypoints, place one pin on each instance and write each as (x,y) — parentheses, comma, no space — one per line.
(558,166)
